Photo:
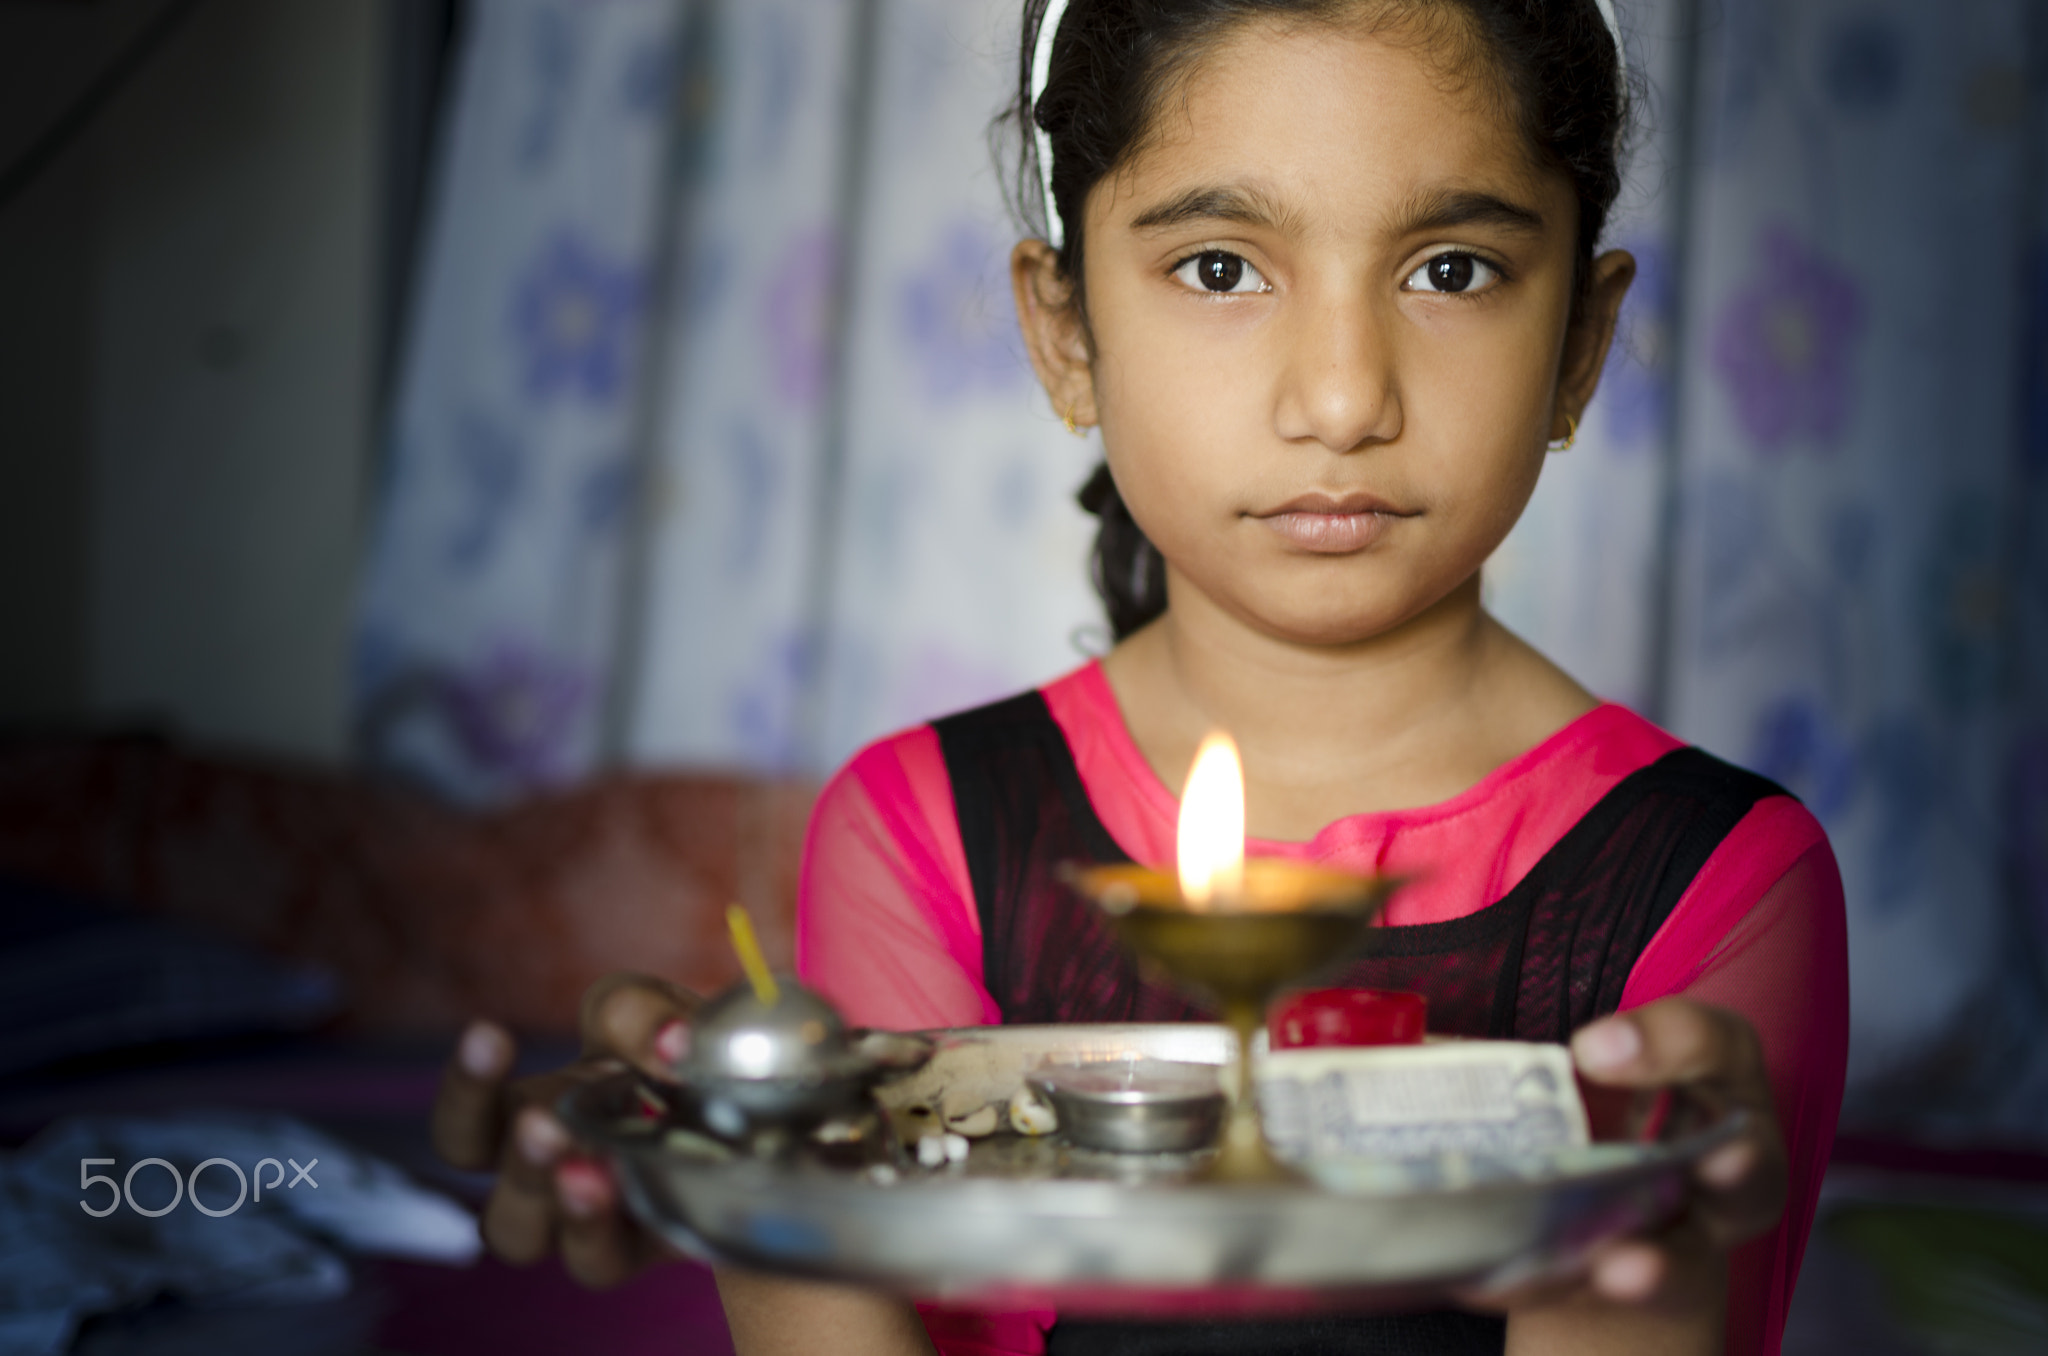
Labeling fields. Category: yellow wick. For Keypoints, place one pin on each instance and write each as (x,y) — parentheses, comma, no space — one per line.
(749,948)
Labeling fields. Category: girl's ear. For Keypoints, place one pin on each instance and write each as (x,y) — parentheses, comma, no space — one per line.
(1051,321)
(1587,341)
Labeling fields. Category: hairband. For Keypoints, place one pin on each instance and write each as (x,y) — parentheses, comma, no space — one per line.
(1606,8)
(1041,72)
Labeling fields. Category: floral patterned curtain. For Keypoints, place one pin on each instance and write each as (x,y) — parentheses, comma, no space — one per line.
(716,445)
(726,653)
(864,508)
(490,605)
(1860,608)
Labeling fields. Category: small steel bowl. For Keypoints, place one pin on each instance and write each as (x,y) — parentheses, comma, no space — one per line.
(788,1065)
(1137,1106)
(737,1036)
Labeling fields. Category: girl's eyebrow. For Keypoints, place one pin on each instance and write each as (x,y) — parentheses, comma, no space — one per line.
(1435,210)
(1244,206)
(1443,208)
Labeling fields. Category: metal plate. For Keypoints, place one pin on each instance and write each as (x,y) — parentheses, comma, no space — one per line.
(1029,1222)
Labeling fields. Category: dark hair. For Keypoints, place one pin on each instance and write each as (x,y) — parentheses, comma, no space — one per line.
(1112,63)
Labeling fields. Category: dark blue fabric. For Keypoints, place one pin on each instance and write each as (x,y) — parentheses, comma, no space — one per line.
(78,979)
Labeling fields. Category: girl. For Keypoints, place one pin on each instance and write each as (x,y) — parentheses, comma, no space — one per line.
(1326,282)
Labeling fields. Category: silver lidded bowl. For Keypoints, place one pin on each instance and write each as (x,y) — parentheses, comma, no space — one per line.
(1135,1105)
(787,1065)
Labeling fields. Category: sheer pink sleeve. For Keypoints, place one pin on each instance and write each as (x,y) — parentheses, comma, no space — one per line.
(886,929)
(1762,931)
(885,920)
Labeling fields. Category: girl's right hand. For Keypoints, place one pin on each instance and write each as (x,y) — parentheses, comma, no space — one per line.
(548,1196)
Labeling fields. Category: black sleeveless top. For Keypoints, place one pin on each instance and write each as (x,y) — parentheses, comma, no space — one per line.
(1537,964)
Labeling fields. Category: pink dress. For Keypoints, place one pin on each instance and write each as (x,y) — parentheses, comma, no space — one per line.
(887,926)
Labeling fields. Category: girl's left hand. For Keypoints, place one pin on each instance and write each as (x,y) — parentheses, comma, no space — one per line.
(1712,1055)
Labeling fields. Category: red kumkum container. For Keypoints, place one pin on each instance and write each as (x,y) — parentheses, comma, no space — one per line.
(1346,1017)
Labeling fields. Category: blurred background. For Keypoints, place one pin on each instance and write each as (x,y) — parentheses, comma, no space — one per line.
(469,469)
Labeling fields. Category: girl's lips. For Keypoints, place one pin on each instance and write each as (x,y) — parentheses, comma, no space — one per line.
(1327,525)
(1331,534)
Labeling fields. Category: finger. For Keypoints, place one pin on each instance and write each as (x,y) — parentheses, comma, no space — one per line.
(520,1219)
(470,1106)
(640,1019)
(1628,1273)
(1674,1040)
(1743,1185)
(1710,1051)
(601,1246)
(1677,1272)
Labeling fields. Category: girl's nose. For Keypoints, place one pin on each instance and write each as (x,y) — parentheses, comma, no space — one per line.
(1338,387)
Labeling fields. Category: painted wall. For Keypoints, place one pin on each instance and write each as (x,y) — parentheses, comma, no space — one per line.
(185,444)
(46,55)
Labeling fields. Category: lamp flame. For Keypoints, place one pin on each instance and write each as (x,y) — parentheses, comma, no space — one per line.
(1210,838)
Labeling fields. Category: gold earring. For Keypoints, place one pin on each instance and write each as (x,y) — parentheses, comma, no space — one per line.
(1571,435)
(1068,420)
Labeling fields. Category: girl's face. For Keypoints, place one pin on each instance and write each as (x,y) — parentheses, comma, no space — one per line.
(1330,307)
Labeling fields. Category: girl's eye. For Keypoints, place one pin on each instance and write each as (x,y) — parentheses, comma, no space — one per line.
(1220,271)
(1452,273)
